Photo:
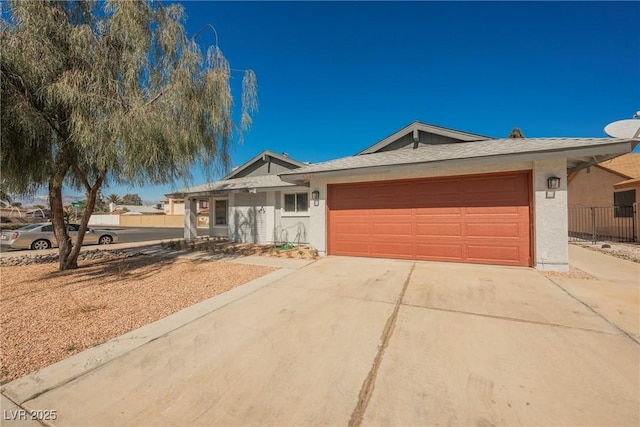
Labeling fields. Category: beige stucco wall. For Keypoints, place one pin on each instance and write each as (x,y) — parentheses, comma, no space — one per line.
(592,187)
(174,208)
(152,220)
(550,215)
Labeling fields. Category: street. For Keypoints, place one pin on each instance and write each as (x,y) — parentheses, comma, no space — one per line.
(131,235)
(143,234)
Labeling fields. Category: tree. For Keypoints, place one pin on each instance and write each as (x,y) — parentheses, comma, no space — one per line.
(131,199)
(5,198)
(114,198)
(516,133)
(113,91)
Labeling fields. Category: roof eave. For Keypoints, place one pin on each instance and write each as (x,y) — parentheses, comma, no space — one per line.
(612,150)
(209,193)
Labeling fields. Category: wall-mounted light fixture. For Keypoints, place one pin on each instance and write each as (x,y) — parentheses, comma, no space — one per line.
(553,183)
(315,196)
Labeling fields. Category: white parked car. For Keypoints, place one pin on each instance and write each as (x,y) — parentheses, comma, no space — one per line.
(41,236)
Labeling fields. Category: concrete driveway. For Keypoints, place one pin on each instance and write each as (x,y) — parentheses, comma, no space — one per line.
(350,341)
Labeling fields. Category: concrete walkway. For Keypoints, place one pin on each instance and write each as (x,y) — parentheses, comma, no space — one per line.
(350,341)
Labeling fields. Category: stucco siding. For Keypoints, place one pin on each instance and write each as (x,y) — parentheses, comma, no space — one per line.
(550,216)
(293,229)
(592,187)
(247,219)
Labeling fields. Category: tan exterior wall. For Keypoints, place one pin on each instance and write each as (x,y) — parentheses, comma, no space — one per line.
(152,220)
(174,208)
(592,187)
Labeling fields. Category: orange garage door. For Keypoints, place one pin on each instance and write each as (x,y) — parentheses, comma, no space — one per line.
(482,219)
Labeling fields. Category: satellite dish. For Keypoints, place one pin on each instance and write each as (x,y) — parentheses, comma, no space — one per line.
(629,128)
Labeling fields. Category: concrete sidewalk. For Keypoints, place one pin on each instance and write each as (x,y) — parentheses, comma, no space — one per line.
(614,292)
(366,341)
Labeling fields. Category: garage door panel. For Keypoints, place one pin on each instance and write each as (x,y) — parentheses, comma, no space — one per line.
(393,229)
(392,249)
(353,248)
(453,230)
(494,254)
(439,251)
(351,229)
(488,230)
(499,211)
(437,211)
(483,219)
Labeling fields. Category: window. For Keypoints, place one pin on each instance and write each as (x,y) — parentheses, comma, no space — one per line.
(47,229)
(204,204)
(73,227)
(623,202)
(221,212)
(296,202)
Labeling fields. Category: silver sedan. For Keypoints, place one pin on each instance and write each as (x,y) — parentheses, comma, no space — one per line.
(41,236)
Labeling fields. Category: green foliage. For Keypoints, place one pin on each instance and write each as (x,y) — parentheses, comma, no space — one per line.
(113,91)
(131,199)
(114,198)
(5,198)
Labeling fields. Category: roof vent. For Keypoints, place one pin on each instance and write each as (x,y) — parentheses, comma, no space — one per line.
(285,154)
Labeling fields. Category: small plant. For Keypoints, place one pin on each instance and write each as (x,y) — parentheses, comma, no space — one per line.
(301,253)
(88,308)
(123,268)
(285,246)
(289,254)
(71,348)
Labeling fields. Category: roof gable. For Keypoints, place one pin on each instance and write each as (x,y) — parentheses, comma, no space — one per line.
(418,133)
(627,166)
(265,163)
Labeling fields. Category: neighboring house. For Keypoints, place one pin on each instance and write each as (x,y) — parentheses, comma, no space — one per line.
(612,182)
(603,199)
(431,193)
(173,206)
(135,210)
(252,204)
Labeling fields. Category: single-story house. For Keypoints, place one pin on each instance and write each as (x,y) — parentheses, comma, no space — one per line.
(613,182)
(603,200)
(252,204)
(173,206)
(424,193)
(134,210)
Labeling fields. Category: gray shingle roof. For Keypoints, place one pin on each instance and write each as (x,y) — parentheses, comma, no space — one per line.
(249,182)
(463,150)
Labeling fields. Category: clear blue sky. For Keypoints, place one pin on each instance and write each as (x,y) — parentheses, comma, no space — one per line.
(335,77)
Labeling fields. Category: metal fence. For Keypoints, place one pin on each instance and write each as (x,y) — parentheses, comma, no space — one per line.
(598,223)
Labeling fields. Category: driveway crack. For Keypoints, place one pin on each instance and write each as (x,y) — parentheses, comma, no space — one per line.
(616,327)
(366,391)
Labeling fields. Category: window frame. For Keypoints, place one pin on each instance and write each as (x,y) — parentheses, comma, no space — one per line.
(625,210)
(226,213)
(297,211)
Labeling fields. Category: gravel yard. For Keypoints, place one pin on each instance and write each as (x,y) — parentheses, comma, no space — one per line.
(628,251)
(47,315)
